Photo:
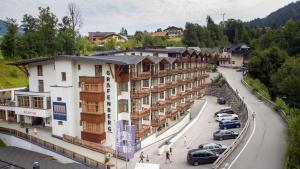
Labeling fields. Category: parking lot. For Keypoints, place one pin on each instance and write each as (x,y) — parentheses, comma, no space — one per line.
(201,132)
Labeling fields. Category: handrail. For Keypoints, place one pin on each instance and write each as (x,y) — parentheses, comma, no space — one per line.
(54,148)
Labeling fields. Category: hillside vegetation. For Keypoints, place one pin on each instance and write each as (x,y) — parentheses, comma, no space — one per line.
(11,76)
(278,17)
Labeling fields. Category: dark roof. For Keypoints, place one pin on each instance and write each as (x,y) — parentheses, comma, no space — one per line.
(25,158)
(33,60)
(101,34)
(173,27)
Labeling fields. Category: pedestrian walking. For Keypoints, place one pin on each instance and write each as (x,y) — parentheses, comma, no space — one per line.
(141,157)
(170,150)
(35,131)
(27,130)
(168,157)
(253,115)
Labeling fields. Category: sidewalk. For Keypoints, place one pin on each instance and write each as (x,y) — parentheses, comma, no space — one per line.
(45,134)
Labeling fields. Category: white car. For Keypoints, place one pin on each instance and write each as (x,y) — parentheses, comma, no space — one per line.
(224,116)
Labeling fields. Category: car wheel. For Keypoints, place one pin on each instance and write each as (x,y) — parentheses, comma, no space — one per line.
(221,138)
(196,163)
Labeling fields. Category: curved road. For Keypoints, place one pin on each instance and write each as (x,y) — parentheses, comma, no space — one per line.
(267,146)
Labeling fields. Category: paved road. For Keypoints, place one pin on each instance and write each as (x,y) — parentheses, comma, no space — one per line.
(201,132)
(267,147)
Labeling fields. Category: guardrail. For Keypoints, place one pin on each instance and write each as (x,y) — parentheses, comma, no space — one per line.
(237,141)
(54,148)
(269,102)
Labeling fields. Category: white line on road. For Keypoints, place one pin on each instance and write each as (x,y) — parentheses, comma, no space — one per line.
(245,144)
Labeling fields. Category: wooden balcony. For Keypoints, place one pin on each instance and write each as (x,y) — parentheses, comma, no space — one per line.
(140,75)
(92,117)
(140,93)
(160,73)
(169,85)
(91,87)
(180,82)
(139,114)
(93,137)
(158,122)
(185,59)
(91,80)
(157,106)
(224,59)
(159,88)
(174,71)
(140,133)
(92,97)
(169,114)
(174,112)
(122,78)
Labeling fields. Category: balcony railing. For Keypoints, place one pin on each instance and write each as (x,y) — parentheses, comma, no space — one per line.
(156,106)
(224,59)
(140,133)
(139,114)
(92,97)
(160,73)
(91,87)
(93,137)
(92,108)
(140,75)
(91,80)
(140,93)
(159,88)
(157,122)
(92,117)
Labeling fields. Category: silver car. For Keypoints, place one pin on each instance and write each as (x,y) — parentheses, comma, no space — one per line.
(217,148)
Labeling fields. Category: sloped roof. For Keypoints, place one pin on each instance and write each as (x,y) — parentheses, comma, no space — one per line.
(101,34)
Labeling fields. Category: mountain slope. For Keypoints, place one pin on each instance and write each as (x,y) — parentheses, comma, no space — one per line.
(279,17)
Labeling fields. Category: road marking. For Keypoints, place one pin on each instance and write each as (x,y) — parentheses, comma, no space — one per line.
(245,144)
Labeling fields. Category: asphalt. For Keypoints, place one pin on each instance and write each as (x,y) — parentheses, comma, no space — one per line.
(200,133)
(267,146)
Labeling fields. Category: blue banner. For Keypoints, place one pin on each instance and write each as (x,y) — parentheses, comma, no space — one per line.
(59,111)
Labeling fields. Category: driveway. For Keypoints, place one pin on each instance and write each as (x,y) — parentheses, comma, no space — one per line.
(267,145)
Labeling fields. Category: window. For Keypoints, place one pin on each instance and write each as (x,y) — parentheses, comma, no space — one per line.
(145,83)
(161,80)
(41,85)
(23,101)
(60,123)
(173,91)
(39,70)
(161,95)
(48,102)
(98,70)
(58,99)
(132,53)
(78,67)
(63,76)
(146,100)
(233,62)
(37,102)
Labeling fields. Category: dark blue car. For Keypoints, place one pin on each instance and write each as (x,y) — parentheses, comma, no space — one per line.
(229,124)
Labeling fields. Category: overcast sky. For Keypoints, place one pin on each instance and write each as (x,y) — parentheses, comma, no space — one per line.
(111,15)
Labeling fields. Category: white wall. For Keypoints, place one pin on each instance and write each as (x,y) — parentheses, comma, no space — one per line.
(17,142)
(48,76)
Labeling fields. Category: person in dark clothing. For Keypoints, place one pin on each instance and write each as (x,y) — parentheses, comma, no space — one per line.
(170,150)
(141,157)
(27,130)
(168,157)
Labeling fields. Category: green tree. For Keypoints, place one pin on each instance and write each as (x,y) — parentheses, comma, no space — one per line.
(83,45)
(47,31)
(65,37)
(31,46)
(286,81)
(10,39)
(190,33)
(123,32)
(110,44)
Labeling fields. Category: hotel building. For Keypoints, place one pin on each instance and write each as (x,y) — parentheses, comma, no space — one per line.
(84,96)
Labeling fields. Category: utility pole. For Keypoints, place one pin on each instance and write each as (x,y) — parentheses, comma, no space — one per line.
(223,15)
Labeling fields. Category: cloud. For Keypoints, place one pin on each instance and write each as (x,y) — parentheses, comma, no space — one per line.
(111,15)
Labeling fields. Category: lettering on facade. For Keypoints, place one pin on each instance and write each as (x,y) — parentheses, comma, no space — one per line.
(108,100)
(29,113)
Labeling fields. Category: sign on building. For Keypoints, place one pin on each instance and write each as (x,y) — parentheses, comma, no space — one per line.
(59,111)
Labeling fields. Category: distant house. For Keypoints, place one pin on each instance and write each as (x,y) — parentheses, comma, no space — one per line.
(173,31)
(99,38)
(159,34)
(234,55)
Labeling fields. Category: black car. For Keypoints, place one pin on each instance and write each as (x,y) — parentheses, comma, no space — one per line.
(217,148)
(224,111)
(198,156)
(221,100)
(225,134)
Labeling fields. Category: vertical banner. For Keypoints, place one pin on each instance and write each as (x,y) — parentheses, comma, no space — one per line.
(130,141)
(119,145)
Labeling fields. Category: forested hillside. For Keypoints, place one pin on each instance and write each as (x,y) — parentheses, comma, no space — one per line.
(279,17)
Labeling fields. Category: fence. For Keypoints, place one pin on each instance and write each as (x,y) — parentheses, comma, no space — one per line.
(93,146)
(54,148)
(223,89)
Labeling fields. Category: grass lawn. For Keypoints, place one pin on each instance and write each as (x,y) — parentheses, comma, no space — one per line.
(11,76)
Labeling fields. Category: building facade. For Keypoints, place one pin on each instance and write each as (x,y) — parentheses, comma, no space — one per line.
(100,38)
(234,56)
(173,31)
(84,97)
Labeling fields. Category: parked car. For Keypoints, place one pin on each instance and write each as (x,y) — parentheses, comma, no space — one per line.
(227,124)
(221,100)
(227,110)
(198,156)
(225,116)
(225,134)
(217,148)
(241,69)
